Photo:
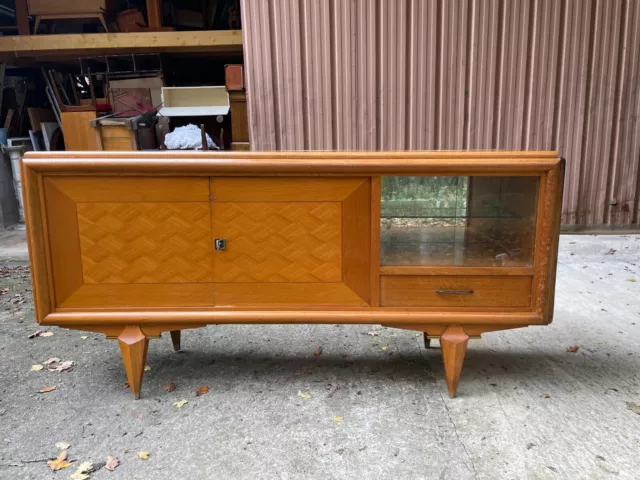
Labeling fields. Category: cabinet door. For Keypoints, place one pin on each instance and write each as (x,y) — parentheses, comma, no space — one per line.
(129,241)
(458,221)
(291,241)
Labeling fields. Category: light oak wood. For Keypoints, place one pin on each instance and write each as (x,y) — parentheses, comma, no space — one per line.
(123,244)
(429,270)
(132,189)
(309,189)
(453,343)
(96,44)
(154,13)
(455,291)
(78,133)
(286,294)
(133,348)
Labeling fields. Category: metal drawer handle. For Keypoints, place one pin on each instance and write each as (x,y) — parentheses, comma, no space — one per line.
(455,292)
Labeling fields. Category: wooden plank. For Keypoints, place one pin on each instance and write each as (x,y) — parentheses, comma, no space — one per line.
(348,164)
(298,315)
(154,13)
(78,133)
(248,189)
(40,115)
(485,291)
(22,17)
(218,41)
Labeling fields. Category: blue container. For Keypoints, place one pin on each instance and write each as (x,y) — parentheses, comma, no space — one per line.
(3,136)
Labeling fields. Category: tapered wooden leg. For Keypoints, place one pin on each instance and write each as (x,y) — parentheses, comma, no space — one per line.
(133,347)
(175,338)
(453,343)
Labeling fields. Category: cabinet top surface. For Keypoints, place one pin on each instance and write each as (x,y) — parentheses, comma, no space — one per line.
(347,163)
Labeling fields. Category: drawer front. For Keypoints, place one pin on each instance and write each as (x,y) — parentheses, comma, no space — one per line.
(455,291)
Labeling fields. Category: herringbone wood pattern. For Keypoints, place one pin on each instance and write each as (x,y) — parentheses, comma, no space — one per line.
(278,242)
(167,242)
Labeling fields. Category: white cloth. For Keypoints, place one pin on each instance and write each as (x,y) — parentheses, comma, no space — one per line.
(187,138)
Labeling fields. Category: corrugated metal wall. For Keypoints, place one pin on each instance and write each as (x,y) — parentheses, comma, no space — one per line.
(457,74)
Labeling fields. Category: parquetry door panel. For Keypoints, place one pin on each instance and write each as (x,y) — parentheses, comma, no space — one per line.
(278,241)
(163,242)
(281,233)
(117,242)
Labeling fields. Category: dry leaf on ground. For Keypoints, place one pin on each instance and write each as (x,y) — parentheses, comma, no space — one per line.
(36,368)
(318,351)
(202,390)
(61,367)
(611,251)
(384,347)
(147,368)
(60,462)
(573,348)
(634,407)
(302,394)
(170,387)
(82,473)
(46,334)
(143,455)
(47,389)
(112,463)
(180,404)
(126,384)
(545,395)
(62,446)
(631,279)
(337,419)
(51,360)
(35,334)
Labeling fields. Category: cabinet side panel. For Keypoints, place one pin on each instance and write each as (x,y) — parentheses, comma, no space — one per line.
(37,240)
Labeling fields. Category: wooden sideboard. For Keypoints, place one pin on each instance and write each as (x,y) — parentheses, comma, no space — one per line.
(133,244)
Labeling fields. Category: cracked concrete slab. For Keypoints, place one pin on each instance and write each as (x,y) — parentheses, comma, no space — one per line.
(527,408)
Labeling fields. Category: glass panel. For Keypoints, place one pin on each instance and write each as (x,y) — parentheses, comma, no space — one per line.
(458,221)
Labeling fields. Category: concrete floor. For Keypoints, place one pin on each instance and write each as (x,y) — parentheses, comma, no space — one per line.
(397,420)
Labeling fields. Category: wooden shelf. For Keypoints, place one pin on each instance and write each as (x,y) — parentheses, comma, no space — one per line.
(49,47)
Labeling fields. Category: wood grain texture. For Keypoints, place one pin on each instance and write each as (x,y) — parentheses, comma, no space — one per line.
(78,134)
(438,330)
(453,343)
(356,241)
(35,219)
(488,291)
(133,189)
(133,348)
(374,261)
(64,242)
(278,241)
(140,295)
(286,294)
(163,242)
(309,189)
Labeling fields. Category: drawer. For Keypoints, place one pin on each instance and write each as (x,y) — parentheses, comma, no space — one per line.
(455,291)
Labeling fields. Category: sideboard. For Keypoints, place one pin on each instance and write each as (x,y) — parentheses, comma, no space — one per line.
(451,244)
